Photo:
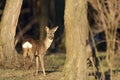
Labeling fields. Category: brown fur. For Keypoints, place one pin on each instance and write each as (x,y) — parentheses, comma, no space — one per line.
(28,51)
(39,48)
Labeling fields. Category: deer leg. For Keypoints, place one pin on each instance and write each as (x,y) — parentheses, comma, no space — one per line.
(37,65)
(42,65)
(31,54)
(31,61)
(24,55)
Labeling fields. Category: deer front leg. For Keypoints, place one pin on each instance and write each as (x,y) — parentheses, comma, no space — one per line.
(37,65)
(42,64)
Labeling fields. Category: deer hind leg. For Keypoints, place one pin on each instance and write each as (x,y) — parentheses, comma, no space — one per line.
(31,62)
(42,64)
(31,54)
(37,64)
(25,51)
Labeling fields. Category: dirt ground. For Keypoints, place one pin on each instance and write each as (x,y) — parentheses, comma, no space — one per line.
(53,66)
(9,74)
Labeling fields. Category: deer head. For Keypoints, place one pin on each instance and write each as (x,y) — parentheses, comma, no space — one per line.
(50,32)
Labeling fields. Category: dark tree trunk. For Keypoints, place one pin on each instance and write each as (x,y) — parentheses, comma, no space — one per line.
(43,17)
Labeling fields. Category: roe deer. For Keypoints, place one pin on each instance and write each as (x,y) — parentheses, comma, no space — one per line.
(38,48)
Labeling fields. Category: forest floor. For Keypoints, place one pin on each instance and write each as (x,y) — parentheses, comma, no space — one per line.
(27,75)
(53,65)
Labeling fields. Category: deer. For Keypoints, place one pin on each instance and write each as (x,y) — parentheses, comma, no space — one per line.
(37,49)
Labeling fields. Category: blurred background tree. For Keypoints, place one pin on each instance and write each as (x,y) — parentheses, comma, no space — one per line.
(106,18)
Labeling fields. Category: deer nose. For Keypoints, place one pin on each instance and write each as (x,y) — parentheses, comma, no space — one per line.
(51,37)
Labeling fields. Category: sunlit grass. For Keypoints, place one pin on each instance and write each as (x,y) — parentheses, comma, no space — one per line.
(53,66)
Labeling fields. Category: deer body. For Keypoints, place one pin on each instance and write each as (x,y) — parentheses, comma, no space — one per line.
(39,48)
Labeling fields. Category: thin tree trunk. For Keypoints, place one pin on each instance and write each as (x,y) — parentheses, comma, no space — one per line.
(8,28)
(52,13)
(76,34)
(43,18)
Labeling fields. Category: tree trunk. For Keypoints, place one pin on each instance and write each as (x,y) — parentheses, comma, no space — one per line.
(43,18)
(76,28)
(8,28)
(52,14)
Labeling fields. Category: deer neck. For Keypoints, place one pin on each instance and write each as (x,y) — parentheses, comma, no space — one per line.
(47,42)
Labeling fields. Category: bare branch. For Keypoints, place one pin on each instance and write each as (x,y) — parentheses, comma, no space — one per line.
(27,27)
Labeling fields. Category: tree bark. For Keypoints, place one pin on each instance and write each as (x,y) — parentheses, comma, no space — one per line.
(76,30)
(8,28)
(43,18)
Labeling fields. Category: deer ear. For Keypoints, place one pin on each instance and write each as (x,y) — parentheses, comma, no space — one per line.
(46,28)
(55,28)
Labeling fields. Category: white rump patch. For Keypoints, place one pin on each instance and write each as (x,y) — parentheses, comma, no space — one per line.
(27,45)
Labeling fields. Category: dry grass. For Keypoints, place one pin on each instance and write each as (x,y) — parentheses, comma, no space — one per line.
(53,66)
(27,75)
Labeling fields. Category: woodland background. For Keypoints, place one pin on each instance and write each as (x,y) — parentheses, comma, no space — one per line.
(78,20)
